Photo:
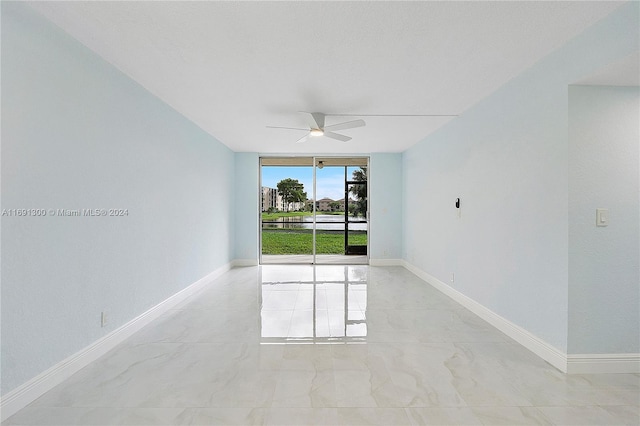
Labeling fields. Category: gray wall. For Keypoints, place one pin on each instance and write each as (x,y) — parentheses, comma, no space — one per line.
(76,133)
(507,159)
(604,262)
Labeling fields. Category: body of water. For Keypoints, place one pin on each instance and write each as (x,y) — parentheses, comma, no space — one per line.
(336,223)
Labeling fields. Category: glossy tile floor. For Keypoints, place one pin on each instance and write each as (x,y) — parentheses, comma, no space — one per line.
(351,345)
(321,259)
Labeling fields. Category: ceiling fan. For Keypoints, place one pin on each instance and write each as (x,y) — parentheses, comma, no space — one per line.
(317,127)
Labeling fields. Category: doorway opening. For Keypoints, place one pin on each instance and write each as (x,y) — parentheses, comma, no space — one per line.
(314,210)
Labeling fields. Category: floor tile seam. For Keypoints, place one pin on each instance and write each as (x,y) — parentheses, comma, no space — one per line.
(115,407)
(134,344)
(612,405)
(217,342)
(615,389)
(571,405)
(226,310)
(369,308)
(431,406)
(480,341)
(525,406)
(409,407)
(406,341)
(209,342)
(512,391)
(213,309)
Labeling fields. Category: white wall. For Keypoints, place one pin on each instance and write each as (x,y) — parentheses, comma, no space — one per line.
(506,158)
(385,204)
(77,133)
(246,206)
(604,262)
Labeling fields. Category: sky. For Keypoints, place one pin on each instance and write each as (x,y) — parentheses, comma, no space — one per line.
(330,180)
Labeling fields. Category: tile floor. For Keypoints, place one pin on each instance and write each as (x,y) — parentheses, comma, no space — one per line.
(322,259)
(332,345)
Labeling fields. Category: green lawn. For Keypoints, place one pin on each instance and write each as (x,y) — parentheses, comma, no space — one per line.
(301,241)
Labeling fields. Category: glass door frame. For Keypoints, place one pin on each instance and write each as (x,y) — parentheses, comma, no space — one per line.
(314,163)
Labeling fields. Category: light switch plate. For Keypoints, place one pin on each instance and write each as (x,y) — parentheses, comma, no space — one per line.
(602,217)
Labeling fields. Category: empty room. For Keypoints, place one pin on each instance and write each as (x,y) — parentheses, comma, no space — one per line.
(320,212)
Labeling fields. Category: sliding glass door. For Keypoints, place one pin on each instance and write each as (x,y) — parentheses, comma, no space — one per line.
(314,210)
(341,210)
(286,214)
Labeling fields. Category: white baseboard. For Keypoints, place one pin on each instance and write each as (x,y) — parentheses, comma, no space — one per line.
(244,262)
(23,395)
(536,345)
(603,363)
(386,262)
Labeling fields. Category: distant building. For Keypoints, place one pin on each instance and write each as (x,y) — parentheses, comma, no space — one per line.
(324,204)
(296,206)
(271,199)
(352,202)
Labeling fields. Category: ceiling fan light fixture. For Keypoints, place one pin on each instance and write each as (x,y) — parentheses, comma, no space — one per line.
(317,128)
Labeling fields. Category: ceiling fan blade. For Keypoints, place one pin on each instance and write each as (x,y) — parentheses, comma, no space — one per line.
(289,128)
(303,139)
(337,136)
(315,119)
(346,125)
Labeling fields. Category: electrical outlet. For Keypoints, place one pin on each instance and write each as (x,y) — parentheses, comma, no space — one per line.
(103,318)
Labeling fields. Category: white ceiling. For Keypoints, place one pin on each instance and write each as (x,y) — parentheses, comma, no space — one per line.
(235,67)
(625,72)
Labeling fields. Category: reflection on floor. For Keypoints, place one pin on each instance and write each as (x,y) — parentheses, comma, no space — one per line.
(314,304)
(321,259)
(328,345)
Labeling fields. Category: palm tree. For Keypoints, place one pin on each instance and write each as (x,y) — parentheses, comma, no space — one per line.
(359,191)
